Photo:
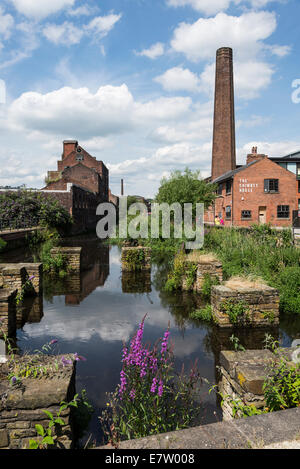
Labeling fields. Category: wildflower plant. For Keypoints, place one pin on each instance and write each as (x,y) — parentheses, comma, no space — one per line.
(151,397)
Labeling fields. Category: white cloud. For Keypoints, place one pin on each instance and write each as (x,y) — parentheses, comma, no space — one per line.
(66,33)
(156,50)
(250,78)
(245,33)
(39,9)
(211,7)
(208,7)
(280,51)
(178,78)
(67,110)
(83,10)
(102,25)
(162,109)
(6,24)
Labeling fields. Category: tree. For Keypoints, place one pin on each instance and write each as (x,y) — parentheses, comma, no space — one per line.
(186,187)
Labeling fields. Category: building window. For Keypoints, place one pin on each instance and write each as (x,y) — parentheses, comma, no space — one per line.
(220,189)
(228,211)
(246,214)
(228,187)
(298,171)
(271,185)
(283,211)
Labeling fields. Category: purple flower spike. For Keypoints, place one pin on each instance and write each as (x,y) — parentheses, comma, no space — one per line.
(153,386)
(79,358)
(66,362)
(160,388)
(53,341)
(31,277)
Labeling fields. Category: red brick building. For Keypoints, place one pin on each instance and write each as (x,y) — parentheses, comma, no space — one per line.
(264,190)
(80,184)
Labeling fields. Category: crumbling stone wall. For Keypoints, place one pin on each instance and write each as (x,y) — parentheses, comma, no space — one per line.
(261,304)
(242,375)
(22,406)
(72,255)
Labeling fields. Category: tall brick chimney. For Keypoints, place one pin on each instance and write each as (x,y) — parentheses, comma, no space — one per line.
(224,153)
(68,147)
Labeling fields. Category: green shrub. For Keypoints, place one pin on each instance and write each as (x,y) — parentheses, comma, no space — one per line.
(32,209)
(203,314)
(208,282)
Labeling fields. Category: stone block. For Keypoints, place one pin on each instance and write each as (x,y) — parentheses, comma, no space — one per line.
(259,305)
(136,258)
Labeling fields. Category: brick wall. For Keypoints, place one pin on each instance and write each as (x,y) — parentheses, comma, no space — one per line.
(247,194)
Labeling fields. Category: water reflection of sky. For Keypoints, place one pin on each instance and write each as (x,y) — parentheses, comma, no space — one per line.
(97,327)
(105,317)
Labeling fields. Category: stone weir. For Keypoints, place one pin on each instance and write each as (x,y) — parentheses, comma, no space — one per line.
(22,405)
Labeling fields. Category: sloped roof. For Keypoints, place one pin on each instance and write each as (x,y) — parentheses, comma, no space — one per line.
(291,157)
(230,174)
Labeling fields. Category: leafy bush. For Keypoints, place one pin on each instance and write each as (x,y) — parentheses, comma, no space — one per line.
(27,208)
(204,314)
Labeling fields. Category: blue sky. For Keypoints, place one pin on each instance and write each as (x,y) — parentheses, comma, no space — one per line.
(132,81)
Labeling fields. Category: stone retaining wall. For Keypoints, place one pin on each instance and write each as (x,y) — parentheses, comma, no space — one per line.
(72,255)
(261,305)
(14,276)
(7,312)
(22,406)
(242,375)
(136,258)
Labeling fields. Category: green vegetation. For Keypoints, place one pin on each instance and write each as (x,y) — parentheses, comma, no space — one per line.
(27,208)
(152,397)
(174,281)
(207,284)
(281,386)
(2,244)
(260,252)
(134,259)
(52,264)
(236,311)
(203,314)
(186,187)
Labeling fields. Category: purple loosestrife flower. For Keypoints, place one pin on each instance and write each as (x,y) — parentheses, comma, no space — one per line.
(164,344)
(79,358)
(66,362)
(132,394)
(160,388)
(153,386)
(31,278)
(53,341)
(123,384)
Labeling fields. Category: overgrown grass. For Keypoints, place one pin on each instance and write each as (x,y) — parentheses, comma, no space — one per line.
(260,252)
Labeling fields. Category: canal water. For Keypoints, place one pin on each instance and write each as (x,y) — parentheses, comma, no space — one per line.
(95,312)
